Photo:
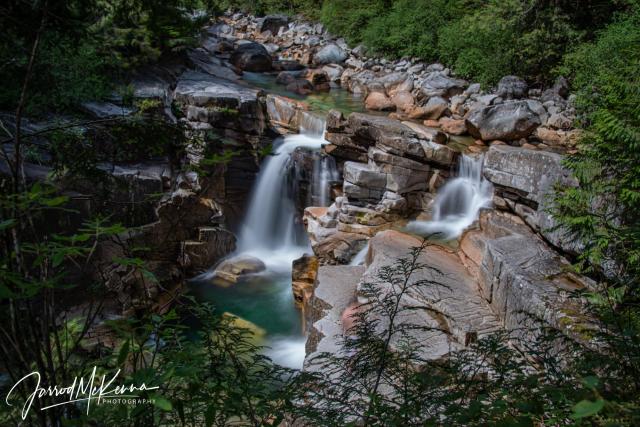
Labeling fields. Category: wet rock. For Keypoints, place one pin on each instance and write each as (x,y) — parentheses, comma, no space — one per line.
(251,57)
(319,79)
(453,312)
(287,65)
(102,110)
(335,290)
(303,276)
(511,120)
(287,77)
(232,270)
(212,244)
(300,86)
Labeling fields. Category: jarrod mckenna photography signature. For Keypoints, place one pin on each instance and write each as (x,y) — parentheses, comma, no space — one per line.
(81,390)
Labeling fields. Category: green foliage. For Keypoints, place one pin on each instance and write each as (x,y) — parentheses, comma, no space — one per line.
(84,46)
(410,28)
(604,211)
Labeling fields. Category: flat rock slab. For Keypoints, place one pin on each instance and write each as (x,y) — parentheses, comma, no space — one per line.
(527,284)
(454,308)
(204,90)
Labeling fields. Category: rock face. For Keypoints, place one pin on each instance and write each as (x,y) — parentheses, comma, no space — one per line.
(330,54)
(219,102)
(251,57)
(454,310)
(525,282)
(525,179)
(506,122)
(303,276)
(335,288)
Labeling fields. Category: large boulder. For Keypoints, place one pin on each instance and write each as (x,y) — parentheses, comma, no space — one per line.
(432,110)
(403,101)
(439,84)
(507,121)
(251,57)
(330,54)
(232,270)
(379,101)
(512,87)
(273,23)
(525,179)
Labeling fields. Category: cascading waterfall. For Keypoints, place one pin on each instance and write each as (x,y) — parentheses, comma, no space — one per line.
(272,234)
(458,202)
(325,172)
(359,258)
(270,230)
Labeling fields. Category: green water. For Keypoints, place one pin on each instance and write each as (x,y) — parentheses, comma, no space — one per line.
(266,300)
(338,98)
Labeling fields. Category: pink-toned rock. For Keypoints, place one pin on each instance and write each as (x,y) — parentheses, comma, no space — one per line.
(315,212)
(303,276)
(379,101)
(452,126)
(348,317)
(403,100)
(431,123)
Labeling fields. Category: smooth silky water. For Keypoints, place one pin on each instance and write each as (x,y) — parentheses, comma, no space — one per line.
(273,233)
(457,202)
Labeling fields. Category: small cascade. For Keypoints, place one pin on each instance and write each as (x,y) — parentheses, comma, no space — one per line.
(325,172)
(312,125)
(359,258)
(458,202)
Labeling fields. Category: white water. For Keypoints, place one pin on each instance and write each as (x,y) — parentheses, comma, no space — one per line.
(358,259)
(271,231)
(324,172)
(458,202)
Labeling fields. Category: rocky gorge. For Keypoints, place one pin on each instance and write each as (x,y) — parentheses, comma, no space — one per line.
(359,185)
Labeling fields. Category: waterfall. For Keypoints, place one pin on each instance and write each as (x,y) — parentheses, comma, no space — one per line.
(359,258)
(458,202)
(270,230)
(325,172)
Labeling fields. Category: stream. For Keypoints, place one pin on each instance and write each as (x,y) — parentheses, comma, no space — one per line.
(273,233)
